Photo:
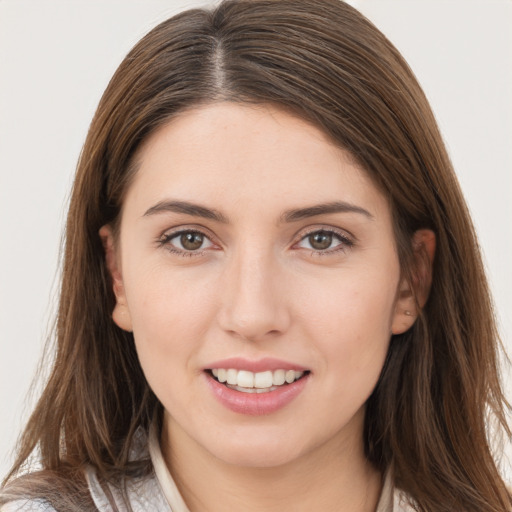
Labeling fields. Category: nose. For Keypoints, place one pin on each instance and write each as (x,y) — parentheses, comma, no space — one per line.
(254,300)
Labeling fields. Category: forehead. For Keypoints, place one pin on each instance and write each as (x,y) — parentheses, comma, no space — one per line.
(247,155)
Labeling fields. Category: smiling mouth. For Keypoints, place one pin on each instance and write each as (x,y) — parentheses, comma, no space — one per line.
(261,382)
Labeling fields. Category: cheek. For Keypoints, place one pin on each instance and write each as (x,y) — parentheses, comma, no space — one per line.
(169,315)
(350,303)
(350,321)
(159,297)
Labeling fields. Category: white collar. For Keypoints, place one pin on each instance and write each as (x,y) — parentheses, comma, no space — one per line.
(163,477)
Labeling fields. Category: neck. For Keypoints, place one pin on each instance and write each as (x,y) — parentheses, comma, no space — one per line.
(335,476)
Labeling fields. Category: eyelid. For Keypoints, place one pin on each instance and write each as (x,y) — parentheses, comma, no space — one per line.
(194,228)
(347,238)
(343,233)
(164,238)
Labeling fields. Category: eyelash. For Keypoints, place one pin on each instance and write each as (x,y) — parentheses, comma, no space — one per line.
(164,241)
(346,242)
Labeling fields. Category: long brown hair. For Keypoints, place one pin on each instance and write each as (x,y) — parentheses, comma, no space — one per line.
(427,419)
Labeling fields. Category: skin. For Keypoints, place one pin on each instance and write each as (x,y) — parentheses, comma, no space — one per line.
(259,287)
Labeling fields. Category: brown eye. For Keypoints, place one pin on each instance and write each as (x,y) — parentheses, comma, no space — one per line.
(320,240)
(186,242)
(325,241)
(191,240)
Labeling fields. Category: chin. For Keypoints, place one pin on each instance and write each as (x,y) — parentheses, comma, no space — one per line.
(258,452)
(257,458)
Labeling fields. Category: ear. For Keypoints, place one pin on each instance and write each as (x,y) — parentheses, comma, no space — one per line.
(412,296)
(121,313)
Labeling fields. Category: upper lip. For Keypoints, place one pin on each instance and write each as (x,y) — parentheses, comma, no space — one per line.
(255,366)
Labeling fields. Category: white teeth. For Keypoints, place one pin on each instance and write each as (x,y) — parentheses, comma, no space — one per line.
(231,376)
(260,382)
(278,378)
(252,390)
(245,379)
(263,380)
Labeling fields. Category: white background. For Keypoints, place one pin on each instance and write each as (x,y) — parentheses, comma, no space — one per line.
(56,58)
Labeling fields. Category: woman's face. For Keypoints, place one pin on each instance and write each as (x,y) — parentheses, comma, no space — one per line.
(252,248)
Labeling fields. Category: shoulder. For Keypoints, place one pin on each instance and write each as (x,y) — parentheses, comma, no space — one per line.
(139,494)
(393,499)
(401,503)
(136,494)
(46,491)
(27,506)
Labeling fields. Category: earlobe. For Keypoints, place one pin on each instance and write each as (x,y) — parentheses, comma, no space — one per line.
(121,317)
(412,296)
(121,313)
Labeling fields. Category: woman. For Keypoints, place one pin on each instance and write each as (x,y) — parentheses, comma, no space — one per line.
(271,294)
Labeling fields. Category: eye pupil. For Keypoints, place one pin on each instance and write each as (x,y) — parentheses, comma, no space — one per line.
(191,241)
(320,240)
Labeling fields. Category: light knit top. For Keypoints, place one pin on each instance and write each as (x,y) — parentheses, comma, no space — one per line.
(158,491)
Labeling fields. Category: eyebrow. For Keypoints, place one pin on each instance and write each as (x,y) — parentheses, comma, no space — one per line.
(323,209)
(288,216)
(186,208)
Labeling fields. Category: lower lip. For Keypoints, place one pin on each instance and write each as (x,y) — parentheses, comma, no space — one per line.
(256,404)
